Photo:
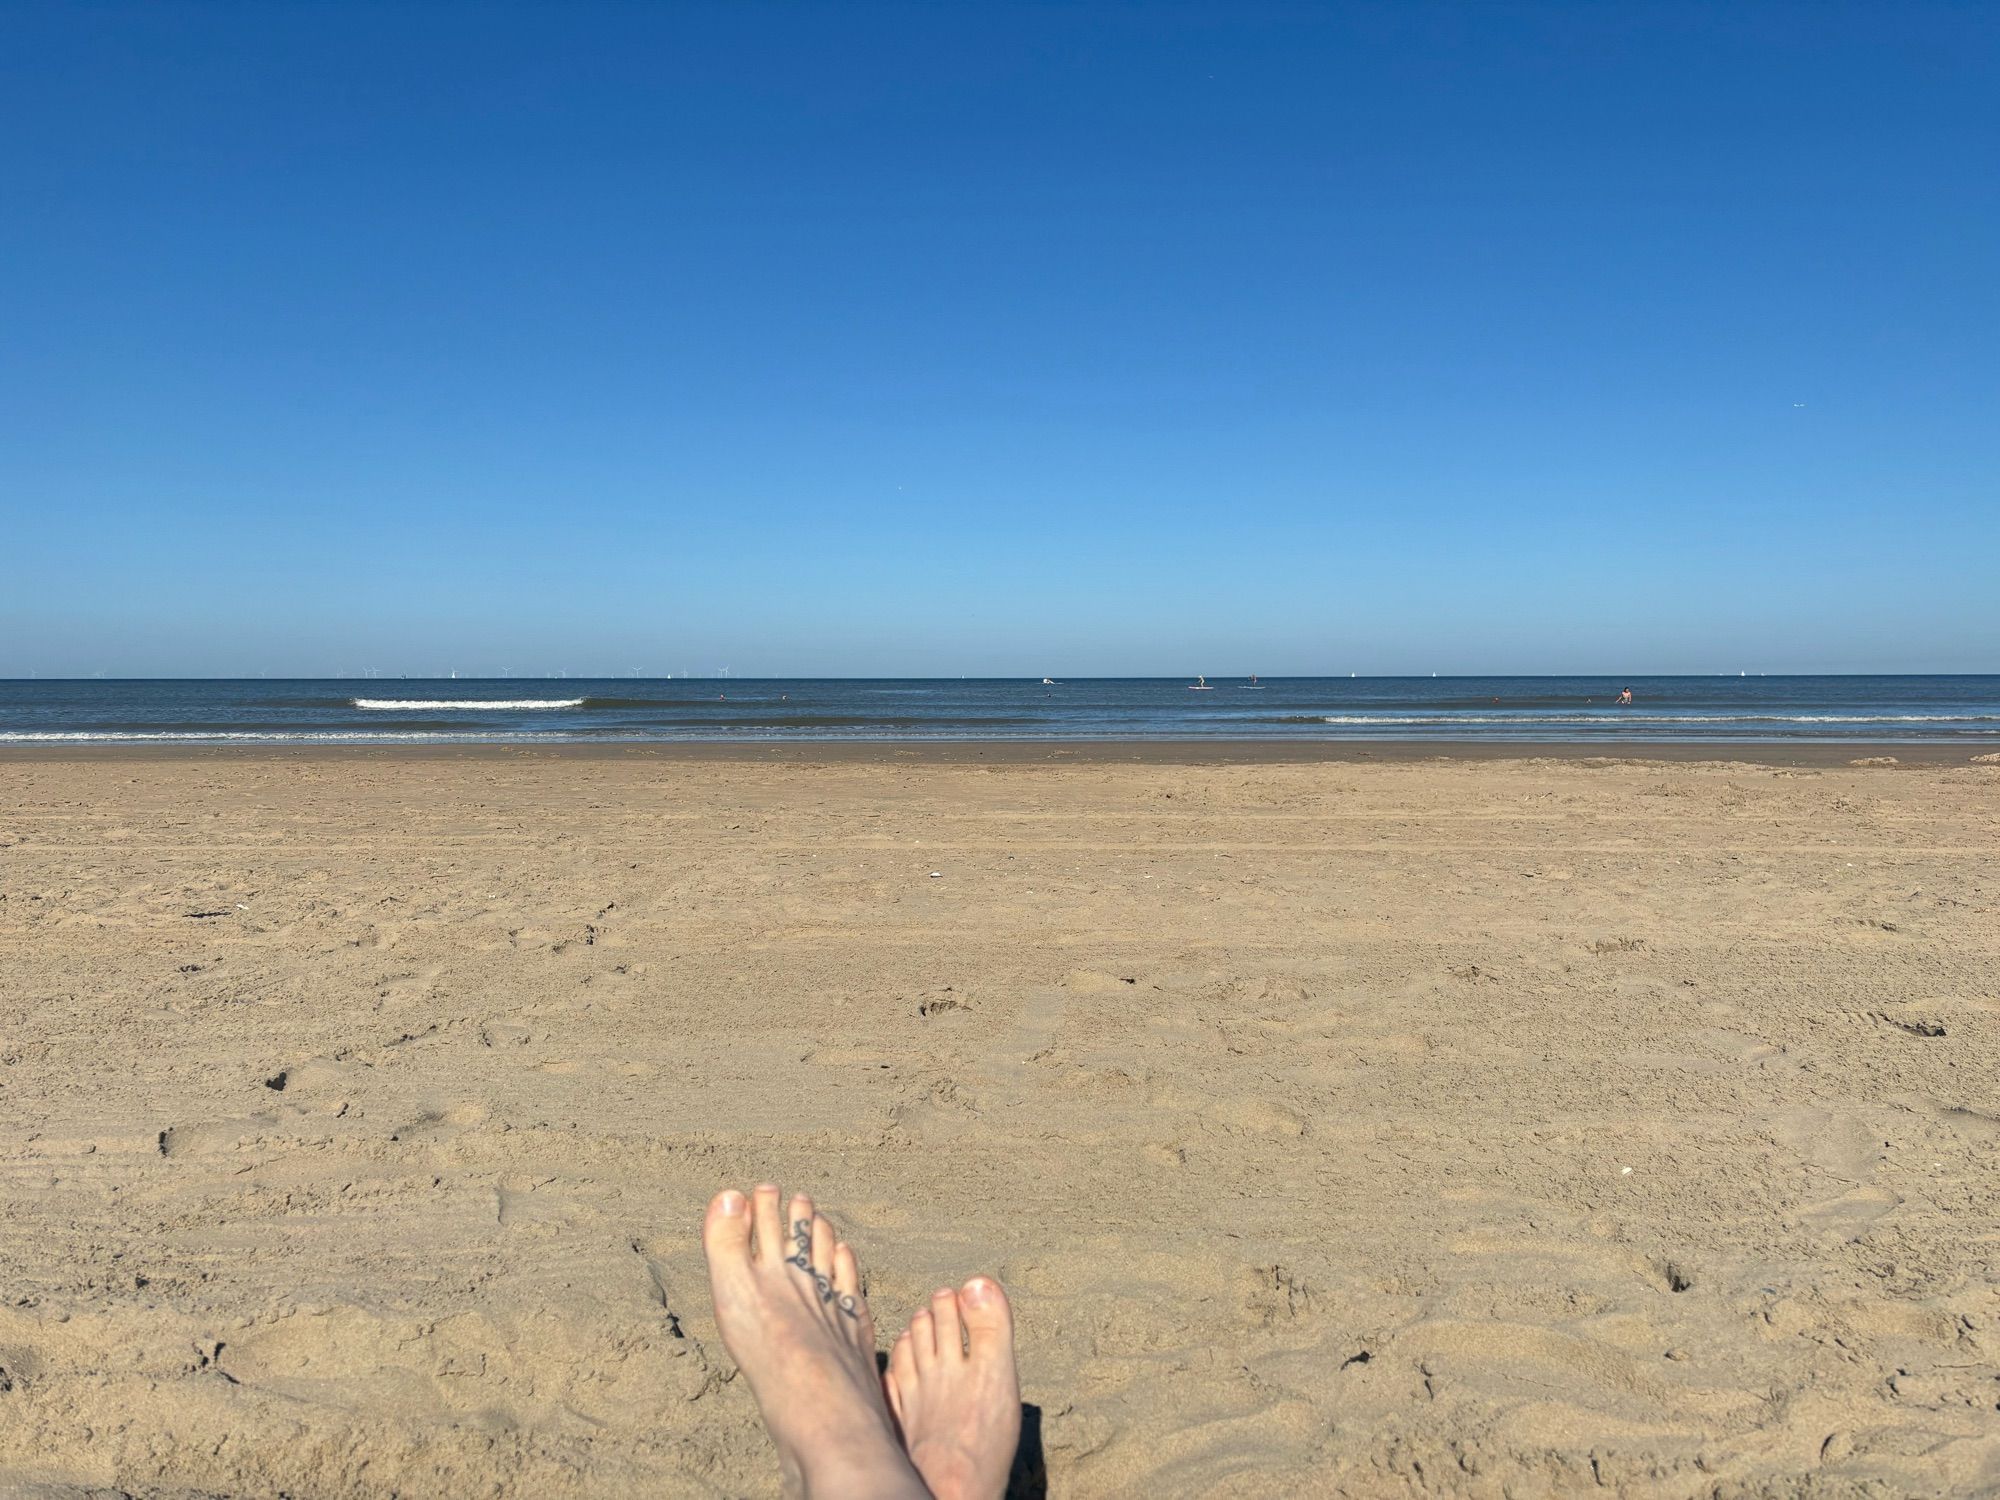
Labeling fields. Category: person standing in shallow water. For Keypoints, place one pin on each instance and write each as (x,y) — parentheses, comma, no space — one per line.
(945,1419)
(1624,697)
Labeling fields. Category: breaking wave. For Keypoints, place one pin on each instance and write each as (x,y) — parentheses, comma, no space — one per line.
(410,705)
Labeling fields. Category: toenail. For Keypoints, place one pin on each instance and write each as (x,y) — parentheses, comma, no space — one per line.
(731,1203)
(978,1291)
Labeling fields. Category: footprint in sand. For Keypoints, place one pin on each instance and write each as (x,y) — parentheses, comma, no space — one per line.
(1255,1116)
(209,1137)
(514,1205)
(1839,1144)
(1276,1294)
(442,1124)
(657,1286)
(1962,1119)
(1853,1210)
(1844,1147)
(1094,982)
(504,1034)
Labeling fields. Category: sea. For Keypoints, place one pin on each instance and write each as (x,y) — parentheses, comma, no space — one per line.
(530,711)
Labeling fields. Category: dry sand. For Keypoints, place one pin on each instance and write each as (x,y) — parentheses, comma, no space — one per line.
(1500,1128)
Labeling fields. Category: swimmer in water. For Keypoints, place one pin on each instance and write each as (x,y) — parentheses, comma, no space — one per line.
(1624,697)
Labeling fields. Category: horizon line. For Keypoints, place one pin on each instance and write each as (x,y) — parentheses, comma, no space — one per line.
(1027,677)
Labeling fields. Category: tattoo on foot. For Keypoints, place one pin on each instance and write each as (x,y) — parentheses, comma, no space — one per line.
(801,1257)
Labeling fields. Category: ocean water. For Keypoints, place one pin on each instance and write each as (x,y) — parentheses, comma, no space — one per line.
(408,710)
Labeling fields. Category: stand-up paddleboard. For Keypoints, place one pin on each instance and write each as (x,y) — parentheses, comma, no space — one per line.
(1200,685)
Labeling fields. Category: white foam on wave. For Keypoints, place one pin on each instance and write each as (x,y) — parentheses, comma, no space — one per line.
(426,705)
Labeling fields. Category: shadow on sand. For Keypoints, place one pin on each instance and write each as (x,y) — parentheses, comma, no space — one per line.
(1029,1478)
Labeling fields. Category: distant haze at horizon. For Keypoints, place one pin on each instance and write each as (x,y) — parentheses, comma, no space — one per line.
(1000,341)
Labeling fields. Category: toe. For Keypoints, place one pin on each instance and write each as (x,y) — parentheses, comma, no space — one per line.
(846,1271)
(903,1360)
(950,1331)
(923,1341)
(823,1241)
(771,1243)
(798,1231)
(901,1377)
(989,1320)
(848,1296)
(725,1235)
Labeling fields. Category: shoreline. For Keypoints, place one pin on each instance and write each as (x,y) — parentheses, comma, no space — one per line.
(1808,754)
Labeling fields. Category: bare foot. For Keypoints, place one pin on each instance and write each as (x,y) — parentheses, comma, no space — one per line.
(788,1300)
(953,1388)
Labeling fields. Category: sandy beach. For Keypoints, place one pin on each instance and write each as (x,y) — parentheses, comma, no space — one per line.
(1363,1126)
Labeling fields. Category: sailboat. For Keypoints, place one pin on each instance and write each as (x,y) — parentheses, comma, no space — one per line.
(1200,685)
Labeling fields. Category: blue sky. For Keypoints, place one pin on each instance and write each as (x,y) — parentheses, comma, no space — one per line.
(999,338)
